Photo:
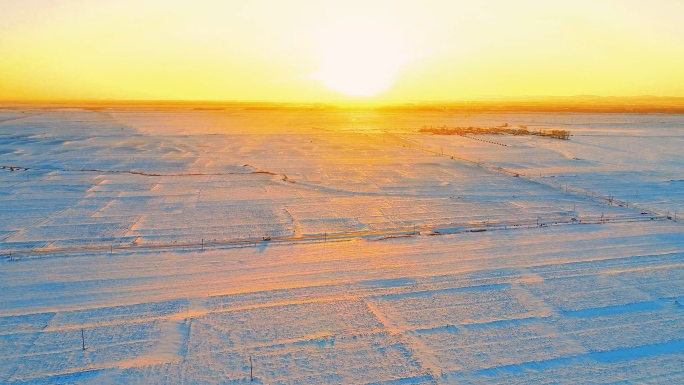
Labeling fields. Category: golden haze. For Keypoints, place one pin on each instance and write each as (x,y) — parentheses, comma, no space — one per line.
(339,52)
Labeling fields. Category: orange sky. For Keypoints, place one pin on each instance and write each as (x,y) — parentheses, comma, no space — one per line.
(337,51)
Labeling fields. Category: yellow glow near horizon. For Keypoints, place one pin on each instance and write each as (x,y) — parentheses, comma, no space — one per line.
(334,51)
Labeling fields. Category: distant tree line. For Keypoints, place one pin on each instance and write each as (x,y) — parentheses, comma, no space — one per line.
(500,130)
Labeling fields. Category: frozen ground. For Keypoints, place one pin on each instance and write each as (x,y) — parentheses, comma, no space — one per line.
(394,256)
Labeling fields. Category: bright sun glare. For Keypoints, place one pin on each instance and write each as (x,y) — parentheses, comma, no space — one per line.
(360,57)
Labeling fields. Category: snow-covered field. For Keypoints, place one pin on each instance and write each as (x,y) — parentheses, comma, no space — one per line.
(339,247)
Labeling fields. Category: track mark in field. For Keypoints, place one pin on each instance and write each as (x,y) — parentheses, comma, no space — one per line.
(197,307)
(414,344)
(296,227)
(171,341)
(172,338)
(536,303)
(134,226)
(389,324)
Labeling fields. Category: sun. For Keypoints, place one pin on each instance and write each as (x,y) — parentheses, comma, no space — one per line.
(360,57)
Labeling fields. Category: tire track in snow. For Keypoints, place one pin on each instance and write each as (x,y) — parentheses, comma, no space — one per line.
(173,336)
(414,344)
(296,227)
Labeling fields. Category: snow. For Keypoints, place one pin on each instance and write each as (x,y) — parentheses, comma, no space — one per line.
(395,257)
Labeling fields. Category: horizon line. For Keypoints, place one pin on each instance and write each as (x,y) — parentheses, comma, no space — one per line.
(576,103)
